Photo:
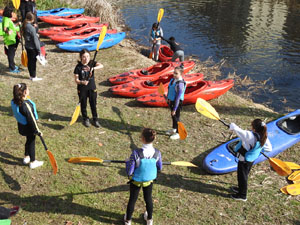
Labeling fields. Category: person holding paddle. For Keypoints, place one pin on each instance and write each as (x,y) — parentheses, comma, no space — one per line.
(142,168)
(22,109)
(85,80)
(155,39)
(175,98)
(248,150)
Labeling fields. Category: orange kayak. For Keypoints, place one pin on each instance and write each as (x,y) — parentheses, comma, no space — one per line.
(151,72)
(139,87)
(69,20)
(165,54)
(201,89)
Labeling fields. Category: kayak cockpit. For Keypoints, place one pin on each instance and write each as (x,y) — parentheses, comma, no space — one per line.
(290,125)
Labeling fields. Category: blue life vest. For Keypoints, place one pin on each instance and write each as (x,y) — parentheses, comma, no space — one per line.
(155,34)
(19,116)
(173,89)
(146,169)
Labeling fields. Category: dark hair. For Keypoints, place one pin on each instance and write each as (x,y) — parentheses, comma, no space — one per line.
(19,93)
(7,12)
(82,52)
(29,17)
(172,39)
(260,127)
(155,25)
(180,69)
(148,134)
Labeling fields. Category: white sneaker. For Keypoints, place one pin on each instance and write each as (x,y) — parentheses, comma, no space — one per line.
(41,59)
(175,136)
(149,222)
(125,221)
(26,160)
(171,131)
(35,78)
(35,164)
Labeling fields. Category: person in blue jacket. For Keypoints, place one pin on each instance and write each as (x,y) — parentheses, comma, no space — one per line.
(248,150)
(142,168)
(175,98)
(24,111)
(155,39)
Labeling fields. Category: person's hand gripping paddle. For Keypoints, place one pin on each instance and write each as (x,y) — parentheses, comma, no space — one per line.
(100,40)
(159,17)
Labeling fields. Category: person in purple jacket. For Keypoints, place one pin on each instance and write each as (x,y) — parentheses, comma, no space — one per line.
(175,98)
(142,168)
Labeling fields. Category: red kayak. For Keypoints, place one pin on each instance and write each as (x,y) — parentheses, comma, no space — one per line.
(138,88)
(151,72)
(85,33)
(202,89)
(69,20)
(165,54)
(70,29)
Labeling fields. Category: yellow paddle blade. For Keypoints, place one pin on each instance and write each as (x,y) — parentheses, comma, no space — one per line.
(101,37)
(160,15)
(52,162)
(293,189)
(161,89)
(292,165)
(206,109)
(283,190)
(24,58)
(280,167)
(16,3)
(183,163)
(83,159)
(75,115)
(295,176)
(182,131)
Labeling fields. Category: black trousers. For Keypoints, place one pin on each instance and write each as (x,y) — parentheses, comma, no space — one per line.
(30,147)
(176,117)
(11,51)
(92,96)
(134,193)
(31,54)
(244,168)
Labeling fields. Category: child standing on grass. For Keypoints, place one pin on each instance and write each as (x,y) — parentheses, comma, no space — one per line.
(143,165)
(175,98)
(25,113)
(85,80)
(248,150)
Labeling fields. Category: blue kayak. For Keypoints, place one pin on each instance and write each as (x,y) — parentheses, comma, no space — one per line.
(59,12)
(90,43)
(282,133)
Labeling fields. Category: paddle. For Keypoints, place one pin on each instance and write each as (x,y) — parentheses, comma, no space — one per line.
(84,159)
(292,165)
(181,129)
(293,189)
(207,110)
(159,17)
(295,176)
(50,155)
(100,40)
(16,3)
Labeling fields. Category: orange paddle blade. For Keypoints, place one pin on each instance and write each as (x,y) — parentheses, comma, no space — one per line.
(182,131)
(84,159)
(280,167)
(150,55)
(24,58)
(283,190)
(161,89)
(52,162)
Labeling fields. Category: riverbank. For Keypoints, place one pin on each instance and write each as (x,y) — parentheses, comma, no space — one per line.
(98,194)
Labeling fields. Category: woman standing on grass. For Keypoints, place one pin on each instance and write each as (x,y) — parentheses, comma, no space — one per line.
(26,115)
(248,150)
(85,80)
(142,167)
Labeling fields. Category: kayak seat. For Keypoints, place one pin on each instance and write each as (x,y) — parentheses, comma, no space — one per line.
(149,83)
(77,33)
(145,72)
(290,125)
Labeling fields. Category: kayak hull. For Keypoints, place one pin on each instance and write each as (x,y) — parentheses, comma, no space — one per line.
(59,12)
(69,20)
(221,161)
(165,54)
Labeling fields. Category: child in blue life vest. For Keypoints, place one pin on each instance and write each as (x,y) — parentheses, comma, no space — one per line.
(11,38)
(26,115)
(175,98)
(175,47)
(142,167)
(155,39)
(248,150)
(85,80)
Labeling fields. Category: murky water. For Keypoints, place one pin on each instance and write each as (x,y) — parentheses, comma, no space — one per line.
(257,38)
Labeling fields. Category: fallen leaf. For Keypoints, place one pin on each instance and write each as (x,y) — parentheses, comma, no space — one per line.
(100,144)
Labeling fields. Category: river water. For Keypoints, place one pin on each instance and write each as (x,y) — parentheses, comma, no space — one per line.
(257,38)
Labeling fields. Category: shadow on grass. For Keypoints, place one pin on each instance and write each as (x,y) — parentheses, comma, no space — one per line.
(10,181)
(53,126)
(105,83)
(5,72)
(10,159)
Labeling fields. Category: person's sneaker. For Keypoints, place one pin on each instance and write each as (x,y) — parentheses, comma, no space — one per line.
(26,160)
(149,222)
(16,67)
(14,71)
(14,210)
(86,123)
(35,164)
(171,131)
(41,59)
(126,222)
(96,123)
(35,78)
(238,197)
(175,136)
(234,189)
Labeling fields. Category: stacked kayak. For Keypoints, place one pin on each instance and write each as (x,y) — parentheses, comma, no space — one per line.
(69,20)
(165,53)
(283,133)
(90,43)
(140,87)
(70,29)
(59,12)
(151,72)
(84,33)
(201,89)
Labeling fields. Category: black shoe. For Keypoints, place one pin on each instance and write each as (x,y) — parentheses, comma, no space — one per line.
(238,197)
(234,189)
(86,123)
(96,123)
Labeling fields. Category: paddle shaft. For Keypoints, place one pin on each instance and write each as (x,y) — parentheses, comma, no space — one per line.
(43,141)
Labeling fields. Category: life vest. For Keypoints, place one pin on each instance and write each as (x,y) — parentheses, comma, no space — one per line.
(156,34)
(146,169)
(19,116)
(173,89)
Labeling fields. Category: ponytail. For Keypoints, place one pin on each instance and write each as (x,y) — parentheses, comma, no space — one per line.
(19,93)
(260,127)
(149,135)
(29,17)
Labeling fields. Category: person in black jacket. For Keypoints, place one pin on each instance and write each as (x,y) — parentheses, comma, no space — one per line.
(175,47)
(26,115)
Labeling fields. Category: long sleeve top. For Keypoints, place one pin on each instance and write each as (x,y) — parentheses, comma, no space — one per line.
(31,38)
(173,45)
